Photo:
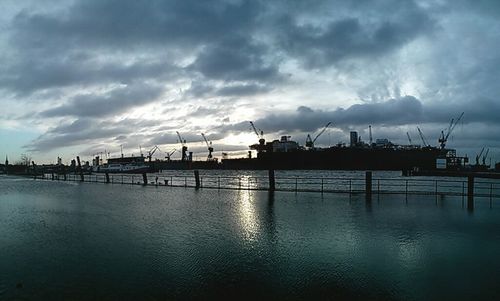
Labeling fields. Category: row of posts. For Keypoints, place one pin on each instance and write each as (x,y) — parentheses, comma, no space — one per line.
(470,190)
(272,184)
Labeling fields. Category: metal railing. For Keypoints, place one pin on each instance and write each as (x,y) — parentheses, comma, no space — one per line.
(404,186)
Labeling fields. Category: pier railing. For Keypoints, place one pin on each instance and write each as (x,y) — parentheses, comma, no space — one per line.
(406,186)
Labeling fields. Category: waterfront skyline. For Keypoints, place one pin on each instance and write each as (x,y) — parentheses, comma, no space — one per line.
(85,77)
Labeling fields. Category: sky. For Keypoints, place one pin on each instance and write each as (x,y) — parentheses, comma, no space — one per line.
(86,77)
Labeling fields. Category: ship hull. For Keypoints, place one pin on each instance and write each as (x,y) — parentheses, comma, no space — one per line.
(342,159)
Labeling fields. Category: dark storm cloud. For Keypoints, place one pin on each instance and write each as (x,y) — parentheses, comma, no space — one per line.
(353,37)
(62,47)
(236,59)
(132,23)
(82,43)
(111,103)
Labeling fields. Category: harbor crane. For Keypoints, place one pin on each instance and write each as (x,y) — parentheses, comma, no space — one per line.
(485,156)
(260,134)
(370,135)
(444,137)
(152,151)
(409,138)
(209,147)
(184,147)
(169,154)
(479,156)
(310,142)
(424,141)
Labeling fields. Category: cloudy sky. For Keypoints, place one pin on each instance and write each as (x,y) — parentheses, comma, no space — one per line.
(84,76)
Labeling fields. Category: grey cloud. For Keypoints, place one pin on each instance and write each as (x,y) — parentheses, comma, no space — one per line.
(352,37)
(132,23)
(111,103)
(203,111)
(85,131)
(395,111)
(197,89)
(200,89)
(78,44)
(28,76)
(236,59)
(402,111)
(242,90)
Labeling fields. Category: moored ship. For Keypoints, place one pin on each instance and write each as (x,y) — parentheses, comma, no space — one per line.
(288,154)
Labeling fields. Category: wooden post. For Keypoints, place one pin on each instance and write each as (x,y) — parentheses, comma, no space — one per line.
(80,168)
(144,179)
(107,177)
(368,186)
(470,193)
(197,178)
(272,182)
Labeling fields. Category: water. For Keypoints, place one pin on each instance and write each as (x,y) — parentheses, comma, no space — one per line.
(84,241)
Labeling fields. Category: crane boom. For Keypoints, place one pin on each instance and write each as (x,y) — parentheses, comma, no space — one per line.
(370,133)
(259,134)
(209,147)
(444,137)
(485,156)
(479,156)
(424,141)
(152,151)
(310,142)
(205,138)
(184,148)
(180,138)
(169,154)
(454,125)
(322,131)
(254,129)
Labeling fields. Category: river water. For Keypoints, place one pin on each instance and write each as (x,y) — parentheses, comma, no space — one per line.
(89,241)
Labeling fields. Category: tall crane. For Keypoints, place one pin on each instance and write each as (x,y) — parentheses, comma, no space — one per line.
(479,156)
(424,141)
(184,147)
(169,154)
(409,138)
(209,147)
(152,151)
(444,137)
(310,142)
(485,156)
(370,133)
(260,135)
